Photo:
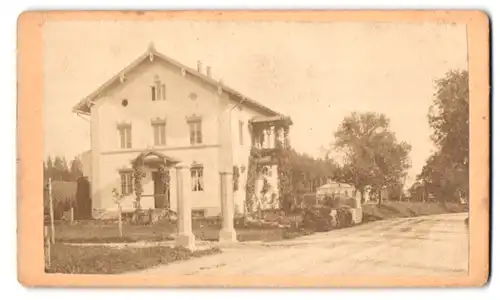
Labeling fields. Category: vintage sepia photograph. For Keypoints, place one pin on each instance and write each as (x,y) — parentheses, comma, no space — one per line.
(177,147)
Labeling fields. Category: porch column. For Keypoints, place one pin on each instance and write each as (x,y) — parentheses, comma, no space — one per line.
(227,233)
(185,237)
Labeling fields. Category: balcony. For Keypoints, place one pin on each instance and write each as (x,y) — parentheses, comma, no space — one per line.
(270,133)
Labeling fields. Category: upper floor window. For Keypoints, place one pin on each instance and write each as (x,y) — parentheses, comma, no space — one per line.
(125,132)
(158,90)
(159,132)
(195,130)
(241,124)
(126,182)
(197,178)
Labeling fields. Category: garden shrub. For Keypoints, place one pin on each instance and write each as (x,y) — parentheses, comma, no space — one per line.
(318,218)
(344,217)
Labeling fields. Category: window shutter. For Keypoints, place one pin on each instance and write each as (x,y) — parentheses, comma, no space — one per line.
(155,134)
(123,183)
(122,138)
(163,95)
(191,133)
(129,137)
(198,133)
(153,93)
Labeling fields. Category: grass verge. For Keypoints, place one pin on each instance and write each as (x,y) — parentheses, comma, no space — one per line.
(95,232)
(107,260)
(389,210)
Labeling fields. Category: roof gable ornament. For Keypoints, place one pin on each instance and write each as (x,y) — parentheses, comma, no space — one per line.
(151,47)
(83,107)
(122,77)
(183,72)
(219,87)
(151,50)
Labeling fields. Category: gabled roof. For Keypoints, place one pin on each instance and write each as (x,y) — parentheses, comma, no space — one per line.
(84,105)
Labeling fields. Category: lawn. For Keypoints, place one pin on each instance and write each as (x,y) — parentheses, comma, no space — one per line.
(69,257)
(102,232)
(107,260)
(99,232)
(396,209)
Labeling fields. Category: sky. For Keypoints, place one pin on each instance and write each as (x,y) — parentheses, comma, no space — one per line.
(317,73)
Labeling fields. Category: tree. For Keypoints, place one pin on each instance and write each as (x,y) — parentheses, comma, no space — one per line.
(449,116)
(118,199)
(308,172)
(60,169)
(446,172)
(373,156)
(76,169)
(49,168)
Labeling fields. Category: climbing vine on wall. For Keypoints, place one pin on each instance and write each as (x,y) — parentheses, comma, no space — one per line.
(138,174)
(285,180)
(165,179)
(251,177)
(280,156)
(285,166)
(236,178)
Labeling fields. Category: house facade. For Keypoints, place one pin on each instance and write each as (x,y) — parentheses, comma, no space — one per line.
(159,106)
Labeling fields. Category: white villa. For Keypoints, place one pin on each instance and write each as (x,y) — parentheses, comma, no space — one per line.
(169,113)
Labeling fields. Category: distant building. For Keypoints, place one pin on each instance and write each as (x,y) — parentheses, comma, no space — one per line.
(336,189)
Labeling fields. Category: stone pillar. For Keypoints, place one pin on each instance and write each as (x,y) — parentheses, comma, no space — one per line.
(357,210)
(185,237)
(227,233)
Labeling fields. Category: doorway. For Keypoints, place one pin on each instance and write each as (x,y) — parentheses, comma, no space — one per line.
(161,190)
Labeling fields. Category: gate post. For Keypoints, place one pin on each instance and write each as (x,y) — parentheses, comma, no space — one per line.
(185,237)
(227,233)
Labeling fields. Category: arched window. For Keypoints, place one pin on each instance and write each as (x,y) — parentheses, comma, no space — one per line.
(158,90)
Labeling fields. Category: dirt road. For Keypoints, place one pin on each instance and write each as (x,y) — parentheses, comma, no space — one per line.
(431,245)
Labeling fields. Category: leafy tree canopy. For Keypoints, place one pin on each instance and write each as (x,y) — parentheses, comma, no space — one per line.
(373,156)
(446,172)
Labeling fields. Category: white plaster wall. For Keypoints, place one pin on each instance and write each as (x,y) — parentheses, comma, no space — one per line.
(214,153)
(141,109)
(139,112)
(87,164)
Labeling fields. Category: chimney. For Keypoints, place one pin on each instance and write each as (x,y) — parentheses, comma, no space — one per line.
(200,66)
(209,71)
